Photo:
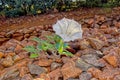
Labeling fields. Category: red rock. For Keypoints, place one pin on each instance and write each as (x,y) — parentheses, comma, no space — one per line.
(18,48)
(108,74)
(103,26)
(90,21)
(104,62)
(17,58)
(23,71)
(112,30)
(43,76)
(102,18)
(55,74)
(12,42)
(2,33)
(1,36)
(74,45)
(71,50)
(11,74)
(117,77)
(117,24)
(99,18)
(27,31)
(45,33)
(17,66)
(27,77)
(3,40)
(7,62)
(9,54)
(17,34)
(41,79)
(31,37)
(66,59)
(1,54)
(39,28)
(84,44)
(34,33)
(1,67)
(95,72)
(26,35)
(44,62)
(9,34)
(70,71)
(111,59)
(79,53)
(96,43)
(19,38)
(118,43)
(58,60)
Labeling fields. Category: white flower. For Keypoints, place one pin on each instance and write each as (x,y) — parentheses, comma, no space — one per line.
(68,29)
(73,0)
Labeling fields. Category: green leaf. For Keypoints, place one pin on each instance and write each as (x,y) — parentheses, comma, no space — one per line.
(44,47)
(37,39)
(30,49)
(57,45)
(60,47)
(67,53)
(39,47)
(50,38)
(65,45)
(34,55)
(57,38)
(47,45)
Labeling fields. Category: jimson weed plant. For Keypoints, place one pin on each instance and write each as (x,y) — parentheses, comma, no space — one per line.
(52,43)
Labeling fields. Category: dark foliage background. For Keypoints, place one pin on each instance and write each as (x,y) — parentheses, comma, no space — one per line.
(14,8)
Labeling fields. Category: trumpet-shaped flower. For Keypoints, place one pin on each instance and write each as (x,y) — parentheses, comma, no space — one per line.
(68,29)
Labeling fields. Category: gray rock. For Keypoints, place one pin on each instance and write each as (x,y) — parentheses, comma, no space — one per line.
(13,78)
(35,69)
(99,54)
(11,49)
(27,77)
(17,78)
(96,25)
(82,65)
(10,75)
(9,34)
(96,43)
(72,79)
(112,40)
(85,76)
(93,60)
(55,65)
(117,77)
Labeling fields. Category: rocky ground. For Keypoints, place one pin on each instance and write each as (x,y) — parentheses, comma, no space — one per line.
(96,56)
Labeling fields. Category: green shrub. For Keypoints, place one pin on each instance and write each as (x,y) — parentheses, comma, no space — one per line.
(13,8)
(53,43)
